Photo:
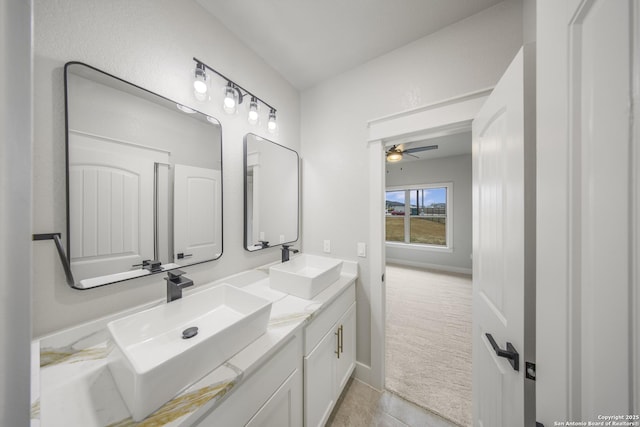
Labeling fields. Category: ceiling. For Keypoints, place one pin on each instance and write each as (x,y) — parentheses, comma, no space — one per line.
(308,41)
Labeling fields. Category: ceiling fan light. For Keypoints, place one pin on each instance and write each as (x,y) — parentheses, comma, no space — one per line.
(394,156)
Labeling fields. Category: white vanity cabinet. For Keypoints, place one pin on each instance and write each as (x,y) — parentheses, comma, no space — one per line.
(329,357)
(270,397)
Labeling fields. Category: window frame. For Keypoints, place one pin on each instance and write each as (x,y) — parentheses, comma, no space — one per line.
(407,218)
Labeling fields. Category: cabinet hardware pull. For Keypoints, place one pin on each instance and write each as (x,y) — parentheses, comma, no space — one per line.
(337,334)
(341,337)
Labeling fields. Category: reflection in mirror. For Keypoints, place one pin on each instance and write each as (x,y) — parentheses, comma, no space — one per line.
(270,193)
(144,180)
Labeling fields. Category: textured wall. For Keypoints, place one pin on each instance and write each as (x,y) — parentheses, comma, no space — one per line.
(150,43)
(464,57)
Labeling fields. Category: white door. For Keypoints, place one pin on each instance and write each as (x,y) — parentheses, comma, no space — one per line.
(503,249)
(197,207)
(110,204)
(589,211)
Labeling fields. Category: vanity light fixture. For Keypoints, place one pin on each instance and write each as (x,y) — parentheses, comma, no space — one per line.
(272,125)
(200,82)
(233,95)
(253,111)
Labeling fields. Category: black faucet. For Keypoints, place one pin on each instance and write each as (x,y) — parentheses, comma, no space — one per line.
(286,251)
(175,283)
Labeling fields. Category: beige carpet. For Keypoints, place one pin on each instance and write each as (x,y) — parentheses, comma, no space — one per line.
(428,342)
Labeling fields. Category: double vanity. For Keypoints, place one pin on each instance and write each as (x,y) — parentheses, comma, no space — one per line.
(273,346)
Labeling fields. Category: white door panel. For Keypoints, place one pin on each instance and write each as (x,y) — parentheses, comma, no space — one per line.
(502,159)
(197,209)
(110,204)
(589,331)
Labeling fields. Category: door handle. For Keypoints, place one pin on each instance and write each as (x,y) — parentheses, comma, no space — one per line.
(183,255)
(510,353)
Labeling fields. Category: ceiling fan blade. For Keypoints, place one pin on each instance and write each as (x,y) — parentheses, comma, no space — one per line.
(409,154)
(418,149)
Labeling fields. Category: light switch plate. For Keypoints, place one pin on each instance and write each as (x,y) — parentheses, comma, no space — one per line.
(327,247)
(362,249)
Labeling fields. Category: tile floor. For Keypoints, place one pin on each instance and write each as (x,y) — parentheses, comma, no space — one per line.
(362,406)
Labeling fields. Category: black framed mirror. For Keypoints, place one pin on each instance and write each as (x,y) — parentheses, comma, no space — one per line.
(271,193)
(144,180)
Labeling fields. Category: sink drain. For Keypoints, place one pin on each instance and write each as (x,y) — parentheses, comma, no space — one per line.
(190,332)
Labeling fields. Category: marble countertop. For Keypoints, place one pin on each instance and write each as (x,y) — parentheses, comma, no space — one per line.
(72,385)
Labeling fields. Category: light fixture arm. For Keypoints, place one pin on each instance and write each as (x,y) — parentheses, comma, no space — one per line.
(239,89)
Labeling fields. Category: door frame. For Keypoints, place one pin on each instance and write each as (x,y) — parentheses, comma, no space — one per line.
(446,117)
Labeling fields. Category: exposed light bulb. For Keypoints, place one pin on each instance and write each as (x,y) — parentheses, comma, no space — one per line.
(272,126)
(253,111)
(229,103)
(200,86)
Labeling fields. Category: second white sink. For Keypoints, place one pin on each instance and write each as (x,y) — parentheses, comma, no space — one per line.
(156,356)
(305,276)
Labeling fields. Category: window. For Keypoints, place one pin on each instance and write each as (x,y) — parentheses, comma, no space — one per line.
(419,215)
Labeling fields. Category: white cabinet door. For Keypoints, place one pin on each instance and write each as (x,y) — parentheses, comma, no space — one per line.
(503,163)
(320,381)
(284,408)
(347,337)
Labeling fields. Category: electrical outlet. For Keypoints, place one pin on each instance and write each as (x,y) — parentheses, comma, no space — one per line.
(327,246)
(282,238)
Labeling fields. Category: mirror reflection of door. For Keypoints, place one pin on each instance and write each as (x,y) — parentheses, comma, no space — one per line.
(197,236)
(111,185)
(271,193)
(252,199)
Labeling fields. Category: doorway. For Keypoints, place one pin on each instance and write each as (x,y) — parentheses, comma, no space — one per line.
(445,118)
(428,219)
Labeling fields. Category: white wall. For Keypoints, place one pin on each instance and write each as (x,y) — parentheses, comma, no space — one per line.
(462,58)
(15,214)
(150,43)
(454,169)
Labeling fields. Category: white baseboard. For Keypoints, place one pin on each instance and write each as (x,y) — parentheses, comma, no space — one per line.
(448,268)
(363,373)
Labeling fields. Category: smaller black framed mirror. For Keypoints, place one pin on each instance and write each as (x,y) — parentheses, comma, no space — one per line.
(271,193)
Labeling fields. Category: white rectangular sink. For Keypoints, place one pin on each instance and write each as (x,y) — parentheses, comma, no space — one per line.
(152,362)
(305,276)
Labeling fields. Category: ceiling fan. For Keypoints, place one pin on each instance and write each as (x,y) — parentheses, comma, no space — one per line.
(395,153)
